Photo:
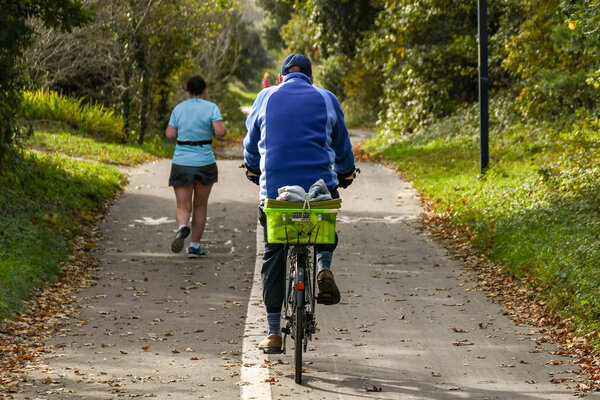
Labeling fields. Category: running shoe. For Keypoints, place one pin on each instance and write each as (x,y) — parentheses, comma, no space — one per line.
(177,244)
(196,253)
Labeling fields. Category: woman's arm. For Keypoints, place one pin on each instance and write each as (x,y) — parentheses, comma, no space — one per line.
(171,132)
(219,128)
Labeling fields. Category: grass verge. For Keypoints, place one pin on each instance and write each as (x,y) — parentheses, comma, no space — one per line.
(536,211)
(60,139)
(47,196)
(43,202)
(242,96)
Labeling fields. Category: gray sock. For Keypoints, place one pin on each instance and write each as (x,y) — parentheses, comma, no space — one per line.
(324,260)
(274,321)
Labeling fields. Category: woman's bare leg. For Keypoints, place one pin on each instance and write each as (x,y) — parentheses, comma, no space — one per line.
(183,196)
(201,193)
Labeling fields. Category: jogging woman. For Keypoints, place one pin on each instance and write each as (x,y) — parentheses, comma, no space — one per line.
(194,168)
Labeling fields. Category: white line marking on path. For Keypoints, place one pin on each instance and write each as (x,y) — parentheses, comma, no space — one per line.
(254,383)
(227,243)
(389,219)
(152,221)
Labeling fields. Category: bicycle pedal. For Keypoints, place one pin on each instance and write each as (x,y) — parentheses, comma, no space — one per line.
(285,330)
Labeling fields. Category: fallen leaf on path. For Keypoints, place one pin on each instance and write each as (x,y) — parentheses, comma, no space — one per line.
(462,342)
(146,348)
(558,380)
(373,389)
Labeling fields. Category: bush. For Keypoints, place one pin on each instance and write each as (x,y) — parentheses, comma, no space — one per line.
(330,75)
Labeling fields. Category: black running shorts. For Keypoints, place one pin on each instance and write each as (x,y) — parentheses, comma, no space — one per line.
(182,175)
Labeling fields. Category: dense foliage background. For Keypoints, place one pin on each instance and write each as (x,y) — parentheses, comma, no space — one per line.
(403,64)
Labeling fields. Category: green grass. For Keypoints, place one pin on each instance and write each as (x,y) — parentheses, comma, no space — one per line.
(536,212)
(92,119)
(43,201)
(64,142)
(242,96)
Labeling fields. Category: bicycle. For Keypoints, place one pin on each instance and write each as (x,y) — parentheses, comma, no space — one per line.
(299,229)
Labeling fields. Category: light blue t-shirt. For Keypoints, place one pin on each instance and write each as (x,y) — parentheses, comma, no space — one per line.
(193,119)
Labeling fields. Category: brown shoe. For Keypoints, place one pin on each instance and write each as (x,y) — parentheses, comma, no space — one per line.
(271,344)
(329,293)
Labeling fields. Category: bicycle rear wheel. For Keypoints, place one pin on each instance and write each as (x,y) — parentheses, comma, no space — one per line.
(299,310)
(298,345)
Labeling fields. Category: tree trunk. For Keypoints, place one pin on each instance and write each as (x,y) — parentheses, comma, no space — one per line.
(141,58)
(126,102)
(144,107)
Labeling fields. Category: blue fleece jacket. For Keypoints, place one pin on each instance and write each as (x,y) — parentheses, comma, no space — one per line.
(296,134)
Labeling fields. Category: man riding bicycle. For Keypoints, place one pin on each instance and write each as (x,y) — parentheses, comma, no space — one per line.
(296,136)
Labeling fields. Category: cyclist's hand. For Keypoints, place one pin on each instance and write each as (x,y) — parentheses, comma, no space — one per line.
(347,178)
(253,175)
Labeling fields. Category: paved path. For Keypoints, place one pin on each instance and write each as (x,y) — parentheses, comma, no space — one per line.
(158,325)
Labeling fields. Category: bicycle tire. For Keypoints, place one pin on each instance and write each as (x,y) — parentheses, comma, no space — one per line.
(298,337)
(299,314)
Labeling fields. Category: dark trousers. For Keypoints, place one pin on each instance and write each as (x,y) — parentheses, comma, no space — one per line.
(273,268)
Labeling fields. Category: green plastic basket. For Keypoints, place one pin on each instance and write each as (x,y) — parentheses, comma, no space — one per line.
(301,225)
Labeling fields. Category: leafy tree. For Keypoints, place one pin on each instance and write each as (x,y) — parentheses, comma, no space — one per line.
(424,55)
(81,63)
(17,34)
(300,34)
(341,24)
(278,13)
(556,54)
(136,53)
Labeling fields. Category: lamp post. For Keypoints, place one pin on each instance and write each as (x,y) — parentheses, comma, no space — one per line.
(484,153)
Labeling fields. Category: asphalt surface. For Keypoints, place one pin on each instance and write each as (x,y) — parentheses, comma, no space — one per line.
(410,324)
